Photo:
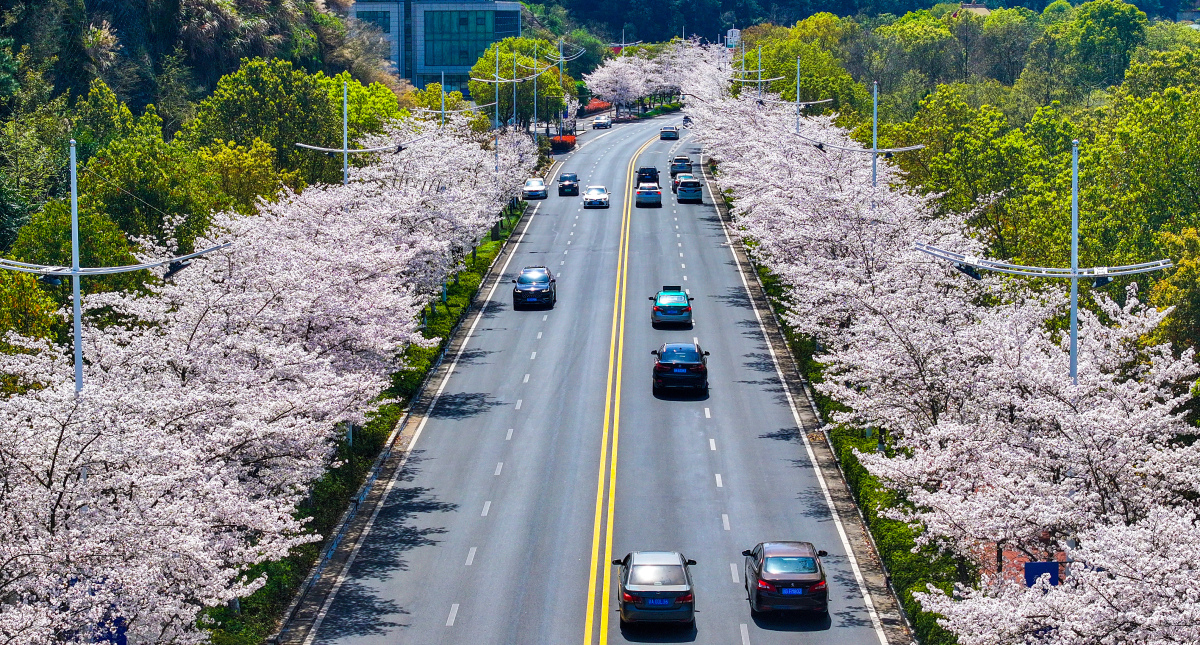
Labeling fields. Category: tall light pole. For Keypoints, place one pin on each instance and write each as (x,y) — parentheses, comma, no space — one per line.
(345,133)
(1099,276)
(346,150)
(54,274)
(443,88)
(874,131)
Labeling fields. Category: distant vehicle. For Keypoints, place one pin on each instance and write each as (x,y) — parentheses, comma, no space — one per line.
(568,184)
(680,365)
(534,286)
(690,190)
(687,121)
(647,175)
(783,576)
(668,132)
(648,195)
(602,121)
(534,189)
(679,164)
(672,305)
(656,587)
(595,197)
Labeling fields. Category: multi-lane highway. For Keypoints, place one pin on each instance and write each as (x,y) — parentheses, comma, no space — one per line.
(546,455)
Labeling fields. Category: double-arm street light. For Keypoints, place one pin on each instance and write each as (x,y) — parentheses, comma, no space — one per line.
(54,274)
(346,150)
(1099,276)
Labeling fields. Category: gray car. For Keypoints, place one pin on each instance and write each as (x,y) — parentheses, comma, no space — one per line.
(656,587)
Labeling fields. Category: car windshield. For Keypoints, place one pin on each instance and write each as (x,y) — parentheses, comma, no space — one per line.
(647,187)
(790,565)
(679,354)
(533,183)
(657,574)
(672,299)
(568,176)
(599,192)
(533,277)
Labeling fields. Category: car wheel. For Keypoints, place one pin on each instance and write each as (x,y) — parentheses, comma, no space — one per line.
(624,623)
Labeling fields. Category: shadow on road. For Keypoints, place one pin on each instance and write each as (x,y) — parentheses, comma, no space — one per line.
(461,405)
(793,622)
(659,633)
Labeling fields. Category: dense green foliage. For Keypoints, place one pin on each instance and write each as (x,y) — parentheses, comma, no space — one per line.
(519,58)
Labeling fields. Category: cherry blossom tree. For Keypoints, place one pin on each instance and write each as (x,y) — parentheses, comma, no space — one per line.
(991,444)
(212,398)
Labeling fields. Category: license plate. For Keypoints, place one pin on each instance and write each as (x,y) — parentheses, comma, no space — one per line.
(658,602)
(681,370)
(795,591)
(531,299)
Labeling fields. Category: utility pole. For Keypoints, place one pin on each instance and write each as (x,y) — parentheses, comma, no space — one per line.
(54,274)
(1099,276)
(535,80)
(760,71)
(443,99)
(345,134)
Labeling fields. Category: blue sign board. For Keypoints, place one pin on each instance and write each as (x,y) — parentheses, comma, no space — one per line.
(1035,570)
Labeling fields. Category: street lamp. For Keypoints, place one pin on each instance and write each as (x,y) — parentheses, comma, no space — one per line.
(1099,276)
(345,149)
(874,150)
(54,274)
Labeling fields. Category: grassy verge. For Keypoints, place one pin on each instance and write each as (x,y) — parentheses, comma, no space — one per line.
(258,615)
(662,109)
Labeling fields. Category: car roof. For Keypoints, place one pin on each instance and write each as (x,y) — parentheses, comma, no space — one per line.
(600,187)
(684,157)
(535,179)
(655,557)
(805,549)
(691,346)
(535,269)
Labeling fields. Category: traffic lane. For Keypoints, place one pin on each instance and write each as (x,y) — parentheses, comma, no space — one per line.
(400,583)
(747,417)
(774,491)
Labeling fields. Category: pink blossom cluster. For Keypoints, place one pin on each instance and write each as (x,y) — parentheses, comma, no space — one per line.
(990,442)
(212,399)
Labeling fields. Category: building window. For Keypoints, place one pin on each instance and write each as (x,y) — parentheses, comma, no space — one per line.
(508,24)
(457,38)
(381,19)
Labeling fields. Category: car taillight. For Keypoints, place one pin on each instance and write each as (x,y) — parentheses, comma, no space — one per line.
(688,308)
(662,367)
(627,597)
(697,368)
(658,192)
(657,308)
(820,586)
(766,586)
(687,597)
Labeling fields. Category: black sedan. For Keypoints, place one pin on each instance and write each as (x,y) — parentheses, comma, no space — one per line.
(568,184)
(680,365)
(656,587)
(785,576)
(535,286)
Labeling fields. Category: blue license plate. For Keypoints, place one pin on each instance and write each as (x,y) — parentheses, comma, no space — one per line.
(681,370)
(795,591)
(658,602)
(532,299)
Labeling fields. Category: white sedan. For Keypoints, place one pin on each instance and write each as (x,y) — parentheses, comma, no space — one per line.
(534,189)
(595,197)
(648,195)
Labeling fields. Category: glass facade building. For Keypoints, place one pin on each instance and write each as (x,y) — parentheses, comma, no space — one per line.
(432,39)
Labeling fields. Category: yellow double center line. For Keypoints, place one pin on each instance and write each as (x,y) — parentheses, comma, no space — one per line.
(612,422)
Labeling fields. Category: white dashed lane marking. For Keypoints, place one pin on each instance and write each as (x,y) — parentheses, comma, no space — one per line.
(453,613)
(470,556)
(712,444)
(719,484)
(499,467)
(508,437)
(707,413)
(487,506)
(526,379)
(518,404)
(733,572)
(724,520)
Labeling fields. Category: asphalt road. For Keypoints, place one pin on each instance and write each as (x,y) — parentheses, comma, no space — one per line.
(491,531)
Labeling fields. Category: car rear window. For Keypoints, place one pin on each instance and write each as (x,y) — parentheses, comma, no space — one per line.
(790,565)
(679,355)
(533,278)
(689,184)
(657,574)
(672,300)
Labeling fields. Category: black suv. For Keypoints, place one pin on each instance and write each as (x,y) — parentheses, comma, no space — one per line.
(568,184)
(647,175)
(535,286)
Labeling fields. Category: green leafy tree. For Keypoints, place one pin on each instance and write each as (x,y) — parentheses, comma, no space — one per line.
(1160,70)
(518,54)
(1102,37)
(273,101)
(822,76)
(46,239)
(370,107)
(1181,288)
(918,42)
(1007,35)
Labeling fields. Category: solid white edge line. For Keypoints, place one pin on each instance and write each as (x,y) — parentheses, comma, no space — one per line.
(812,457)
(412,443)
